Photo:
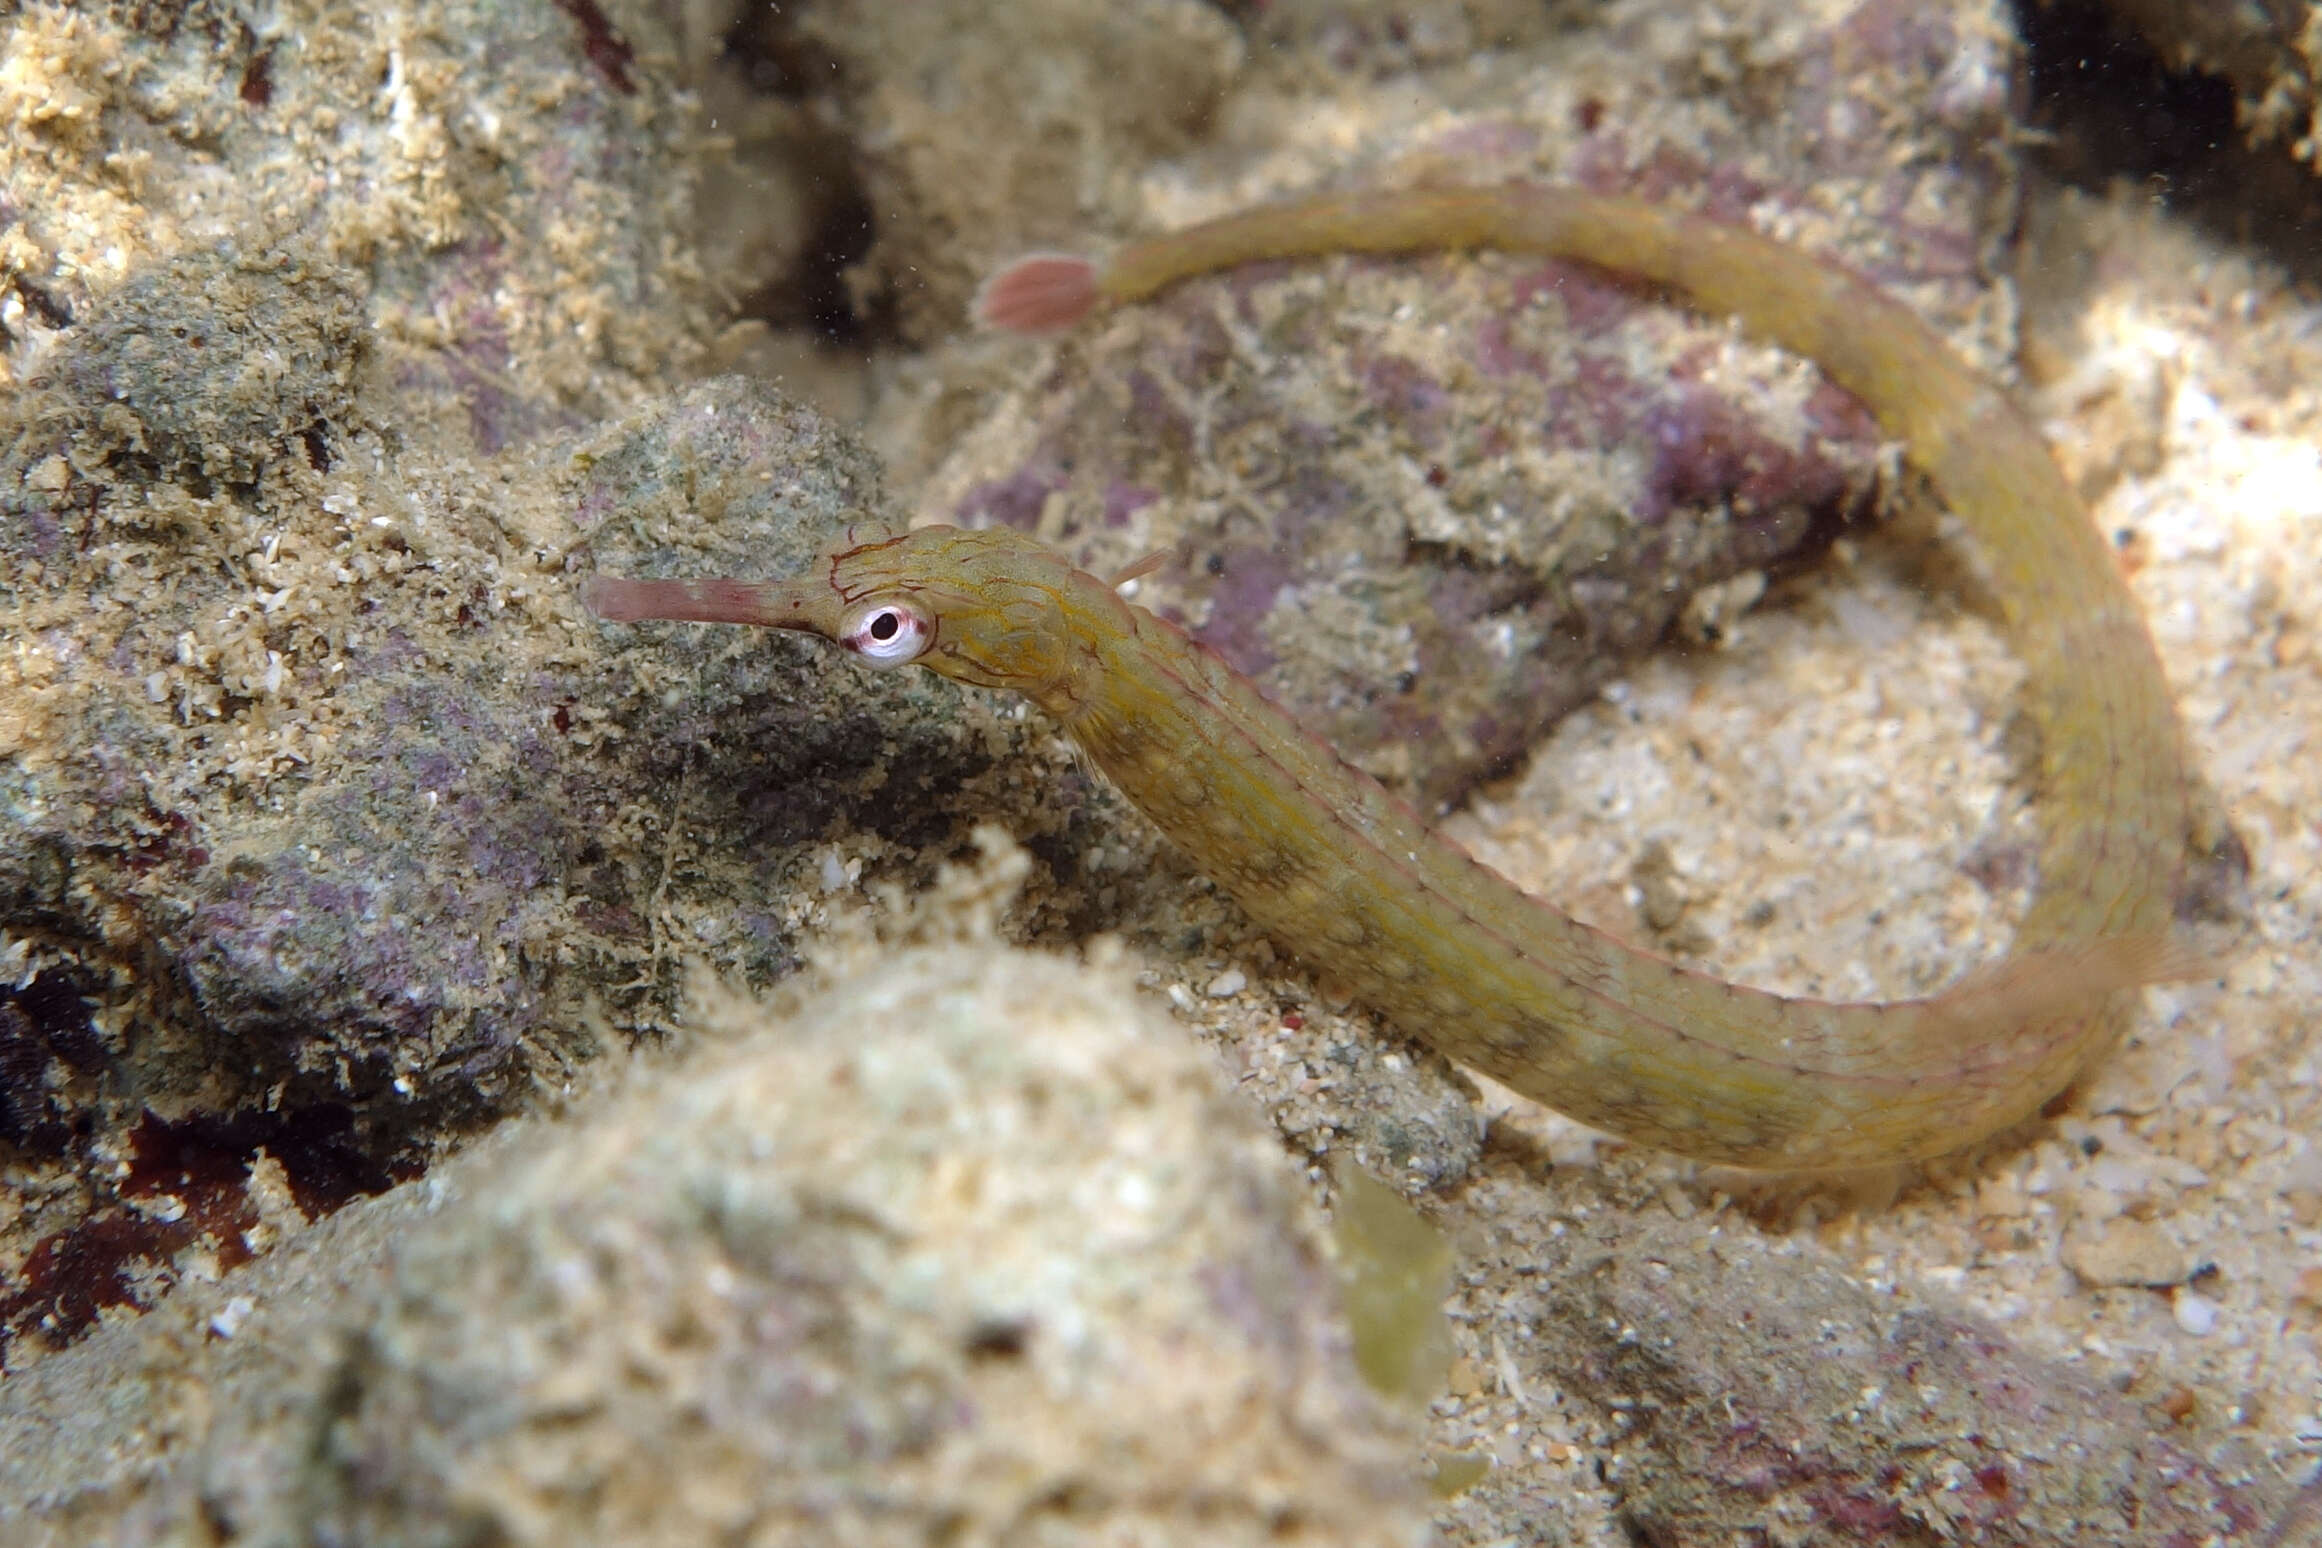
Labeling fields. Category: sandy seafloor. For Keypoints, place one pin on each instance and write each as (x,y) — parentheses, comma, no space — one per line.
(1798,807)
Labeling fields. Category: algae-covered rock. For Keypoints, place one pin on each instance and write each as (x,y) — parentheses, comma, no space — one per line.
(972,1248)
(985,129)
(279,652)
(212,366)
(392,818)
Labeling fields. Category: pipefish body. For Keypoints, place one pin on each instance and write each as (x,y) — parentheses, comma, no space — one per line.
(1348,877)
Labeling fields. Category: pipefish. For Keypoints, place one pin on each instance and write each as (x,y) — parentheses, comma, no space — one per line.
(1349,878)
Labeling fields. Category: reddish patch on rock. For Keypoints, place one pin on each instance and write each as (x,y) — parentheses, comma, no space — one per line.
(1410,399)
(1593,299)
(1488,139)
(1124,500)
(1247,582)
(1864,1519)
(1015,501)
(1838,415)
(167,845)
(603,43)
(71,1277)
(1497,354)
(257,85)
(190,1178)
(1705,453)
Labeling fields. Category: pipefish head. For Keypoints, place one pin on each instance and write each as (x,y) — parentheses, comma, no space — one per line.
(993,607)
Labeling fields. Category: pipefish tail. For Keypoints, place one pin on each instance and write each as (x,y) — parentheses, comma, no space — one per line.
(1350,878)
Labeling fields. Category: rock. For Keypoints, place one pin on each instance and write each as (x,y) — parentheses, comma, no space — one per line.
(278,282)
(210,367)
(363,781)
(2129,1251)
(1753,1388)
(972,1247)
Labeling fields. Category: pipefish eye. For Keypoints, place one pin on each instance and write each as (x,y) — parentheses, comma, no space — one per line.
(890,632)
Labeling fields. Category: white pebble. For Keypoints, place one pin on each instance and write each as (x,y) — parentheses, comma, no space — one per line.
(2196,1313)
(1230,982)
(230,1317)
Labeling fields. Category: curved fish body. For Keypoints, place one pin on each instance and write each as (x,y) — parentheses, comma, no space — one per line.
(1348,877)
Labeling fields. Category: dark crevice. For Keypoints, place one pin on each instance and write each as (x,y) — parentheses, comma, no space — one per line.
(47,1039)
(815,294)
(52,312)
(2112,110)
(776,59)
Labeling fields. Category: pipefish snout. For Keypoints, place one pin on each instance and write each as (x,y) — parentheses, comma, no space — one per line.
(1348,877)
